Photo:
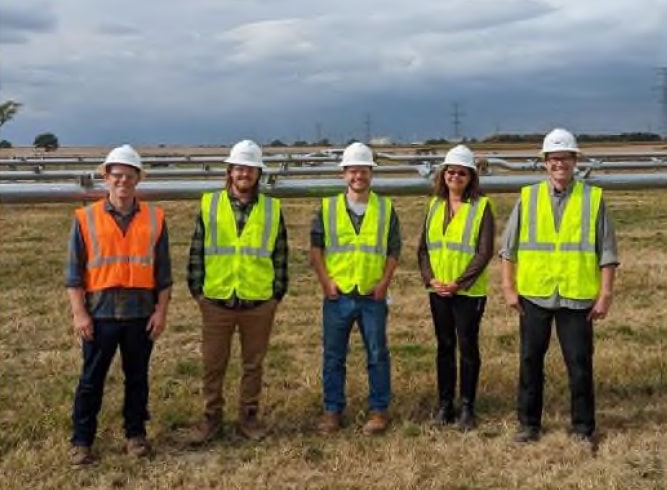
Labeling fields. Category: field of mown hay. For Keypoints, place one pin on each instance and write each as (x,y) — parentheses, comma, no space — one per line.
(40,359)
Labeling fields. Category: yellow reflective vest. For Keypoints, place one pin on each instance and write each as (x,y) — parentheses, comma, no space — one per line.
(451,252)
(351,259)
(239,264)
(563,261)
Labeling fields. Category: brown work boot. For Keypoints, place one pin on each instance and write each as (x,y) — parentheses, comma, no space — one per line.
(329,423)
(207,430)
(250,426)
(139,447)
(377,423)
(81,455)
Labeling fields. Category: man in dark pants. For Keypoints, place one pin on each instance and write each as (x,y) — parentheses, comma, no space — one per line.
(118,281)
(558,263)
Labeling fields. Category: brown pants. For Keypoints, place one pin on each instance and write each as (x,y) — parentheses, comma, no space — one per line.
(254,331)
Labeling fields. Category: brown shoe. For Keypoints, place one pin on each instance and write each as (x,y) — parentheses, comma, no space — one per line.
(139,447)
(251,427)
(207,430)
(81,455)
(377,423)
(329,423)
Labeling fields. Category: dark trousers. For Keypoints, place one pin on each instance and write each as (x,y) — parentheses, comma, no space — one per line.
(575,334)
(457,318)
(135,350)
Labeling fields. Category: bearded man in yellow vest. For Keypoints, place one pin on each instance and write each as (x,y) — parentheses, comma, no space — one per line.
(355,247)
(237,272)
(559,258)
(118,279)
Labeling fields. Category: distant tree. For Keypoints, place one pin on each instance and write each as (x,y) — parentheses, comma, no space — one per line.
(351,140)
(300,143)
(277,143)
(8,110)
(5,144)
(323,142)
(47,141)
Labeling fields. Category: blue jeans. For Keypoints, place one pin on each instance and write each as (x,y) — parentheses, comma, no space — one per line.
(338,317)
(135,350)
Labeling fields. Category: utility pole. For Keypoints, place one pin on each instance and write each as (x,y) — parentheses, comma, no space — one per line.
(457,115)
(368,125)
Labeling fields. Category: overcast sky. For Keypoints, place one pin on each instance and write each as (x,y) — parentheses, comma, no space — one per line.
(214,71)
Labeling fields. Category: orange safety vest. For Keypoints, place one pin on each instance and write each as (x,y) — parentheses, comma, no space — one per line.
(116,260)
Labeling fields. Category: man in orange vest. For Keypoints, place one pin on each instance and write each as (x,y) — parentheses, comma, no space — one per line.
(118,280)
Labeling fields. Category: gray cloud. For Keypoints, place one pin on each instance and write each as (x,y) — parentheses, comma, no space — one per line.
(216,71)
(18,22)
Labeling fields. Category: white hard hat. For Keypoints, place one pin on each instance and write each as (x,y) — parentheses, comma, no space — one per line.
(123,155)
(247,153)
(357,154)
(559,140)
(460,155)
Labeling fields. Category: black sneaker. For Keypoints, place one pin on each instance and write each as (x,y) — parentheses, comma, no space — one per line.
(527,433)
(467,419)
(445,415)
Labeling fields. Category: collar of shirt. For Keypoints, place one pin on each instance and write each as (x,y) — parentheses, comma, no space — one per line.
(556,193)
(109,208)
(237,203)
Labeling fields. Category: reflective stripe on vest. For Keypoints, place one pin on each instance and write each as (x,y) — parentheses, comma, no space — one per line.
(356,259)
(234,264)
(451,252)
(116,259)
(565,260)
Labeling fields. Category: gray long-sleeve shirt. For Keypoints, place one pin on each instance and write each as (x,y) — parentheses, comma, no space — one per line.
(605,244)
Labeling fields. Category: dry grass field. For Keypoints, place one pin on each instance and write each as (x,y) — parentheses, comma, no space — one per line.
(40,361)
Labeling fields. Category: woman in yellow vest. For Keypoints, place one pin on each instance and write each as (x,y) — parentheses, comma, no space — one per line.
(455,248)
(558,263)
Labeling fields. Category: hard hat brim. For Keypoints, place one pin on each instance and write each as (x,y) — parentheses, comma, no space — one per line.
(571,150)
(460,164)
(102,167)
(357,164)
(245,163)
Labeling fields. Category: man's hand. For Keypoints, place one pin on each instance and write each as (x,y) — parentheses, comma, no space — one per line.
(329,289)
(512,298)
(380,290)
(600,307)
(156,324)
(83,325)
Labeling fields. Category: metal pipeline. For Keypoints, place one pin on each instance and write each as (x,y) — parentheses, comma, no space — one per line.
(398,186)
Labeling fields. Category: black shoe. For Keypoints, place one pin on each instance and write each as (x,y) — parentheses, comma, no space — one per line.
(467,419)
(527,434)
(582,437)
(445,415)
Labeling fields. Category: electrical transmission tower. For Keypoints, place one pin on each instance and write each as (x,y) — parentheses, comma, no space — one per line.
(457,115)
(368,126)
(662,97)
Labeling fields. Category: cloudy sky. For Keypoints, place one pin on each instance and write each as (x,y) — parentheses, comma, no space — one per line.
(215,71)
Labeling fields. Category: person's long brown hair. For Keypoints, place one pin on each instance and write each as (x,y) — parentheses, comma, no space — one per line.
(471,193)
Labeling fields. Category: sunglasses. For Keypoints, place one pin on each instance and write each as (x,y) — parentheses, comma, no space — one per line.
(460,173)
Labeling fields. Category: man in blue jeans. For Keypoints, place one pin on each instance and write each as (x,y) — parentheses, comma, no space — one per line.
(355,247)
